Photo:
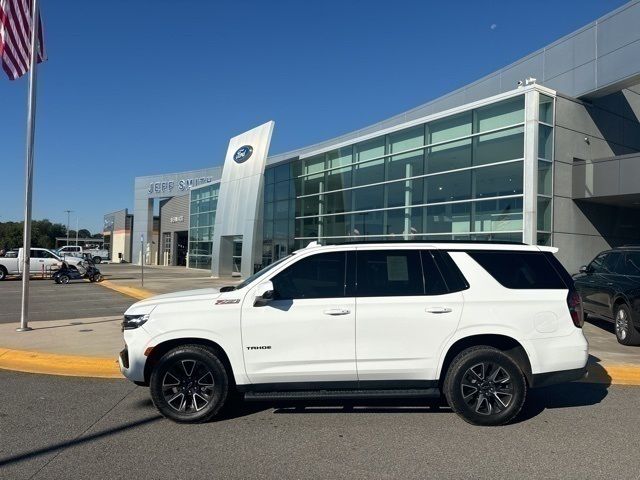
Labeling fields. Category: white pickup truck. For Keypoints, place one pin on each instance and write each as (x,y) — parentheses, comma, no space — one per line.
(97,254)
(41,260)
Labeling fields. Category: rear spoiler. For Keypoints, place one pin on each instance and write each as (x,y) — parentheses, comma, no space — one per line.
(548,249)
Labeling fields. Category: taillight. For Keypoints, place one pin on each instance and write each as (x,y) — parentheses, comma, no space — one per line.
(574,302)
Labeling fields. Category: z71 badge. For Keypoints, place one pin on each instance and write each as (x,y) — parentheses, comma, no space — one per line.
(227,302)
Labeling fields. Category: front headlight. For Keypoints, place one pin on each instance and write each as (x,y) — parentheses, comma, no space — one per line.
(134,321)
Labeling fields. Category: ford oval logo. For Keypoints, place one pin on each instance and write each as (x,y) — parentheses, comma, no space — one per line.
(243,154)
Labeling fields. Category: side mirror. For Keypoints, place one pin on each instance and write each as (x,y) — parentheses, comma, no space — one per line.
(264,293)
(584,269)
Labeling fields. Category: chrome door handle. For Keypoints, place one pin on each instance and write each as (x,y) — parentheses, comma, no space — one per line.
(438,310)
(337,311)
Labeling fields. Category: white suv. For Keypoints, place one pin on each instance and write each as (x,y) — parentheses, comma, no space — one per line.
(479,323)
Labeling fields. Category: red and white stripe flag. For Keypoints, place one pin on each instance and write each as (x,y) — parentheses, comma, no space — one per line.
(15,37)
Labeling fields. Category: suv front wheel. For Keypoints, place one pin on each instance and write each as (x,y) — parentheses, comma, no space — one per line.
(485,386)
(189,384)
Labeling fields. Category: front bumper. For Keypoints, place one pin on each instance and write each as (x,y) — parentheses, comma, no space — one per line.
(132,360)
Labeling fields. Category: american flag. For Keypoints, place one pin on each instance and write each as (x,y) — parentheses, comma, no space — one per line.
(15,37)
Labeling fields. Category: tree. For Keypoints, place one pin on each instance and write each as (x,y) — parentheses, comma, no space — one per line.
(84,233)
(43,234)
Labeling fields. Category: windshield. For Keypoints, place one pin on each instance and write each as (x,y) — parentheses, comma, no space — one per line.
(257,275)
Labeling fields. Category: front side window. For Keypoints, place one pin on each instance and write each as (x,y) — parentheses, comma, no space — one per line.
(389,273)
(605,263)
(317,276)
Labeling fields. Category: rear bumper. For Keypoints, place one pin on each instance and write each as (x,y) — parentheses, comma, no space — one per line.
(553,378)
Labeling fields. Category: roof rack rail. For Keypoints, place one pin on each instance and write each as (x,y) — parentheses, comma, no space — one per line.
(637,245)
(481,242)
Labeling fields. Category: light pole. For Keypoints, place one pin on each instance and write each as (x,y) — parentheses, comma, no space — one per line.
(142,252)
(68,220)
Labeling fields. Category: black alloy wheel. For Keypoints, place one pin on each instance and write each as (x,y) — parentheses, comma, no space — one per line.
(485,386)
(189,384)
(626,333)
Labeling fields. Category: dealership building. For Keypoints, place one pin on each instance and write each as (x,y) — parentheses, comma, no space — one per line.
(544,151)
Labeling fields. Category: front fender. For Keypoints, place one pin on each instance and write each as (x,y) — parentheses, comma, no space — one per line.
(233,352)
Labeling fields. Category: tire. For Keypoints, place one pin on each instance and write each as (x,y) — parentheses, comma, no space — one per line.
(189,384)
(3,273)
(64,279)
(626,333)
(57,280)
(96,260)
(502,392)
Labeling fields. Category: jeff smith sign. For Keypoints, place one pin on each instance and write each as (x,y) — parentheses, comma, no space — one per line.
(181,185)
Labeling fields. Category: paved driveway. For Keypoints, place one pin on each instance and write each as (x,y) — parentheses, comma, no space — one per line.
(61,427)
(49,301)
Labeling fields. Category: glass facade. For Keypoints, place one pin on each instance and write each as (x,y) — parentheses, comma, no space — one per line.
(459,177)
(202,217)
(545,170)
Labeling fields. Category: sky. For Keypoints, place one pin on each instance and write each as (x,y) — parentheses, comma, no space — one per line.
(145,87)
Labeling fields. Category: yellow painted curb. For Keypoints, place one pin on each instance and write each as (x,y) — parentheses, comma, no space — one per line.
(55,364)
(615,374)
(139,293)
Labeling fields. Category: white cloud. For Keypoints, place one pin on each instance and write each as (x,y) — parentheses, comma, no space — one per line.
(493,26)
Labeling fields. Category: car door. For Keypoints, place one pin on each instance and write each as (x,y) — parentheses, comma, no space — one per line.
(306,333)
(36,261)
(404,316)
(609,279)
(589,284)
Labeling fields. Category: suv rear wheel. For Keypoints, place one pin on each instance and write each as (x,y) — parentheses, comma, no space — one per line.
(625,331)
(189,384)
(485,386)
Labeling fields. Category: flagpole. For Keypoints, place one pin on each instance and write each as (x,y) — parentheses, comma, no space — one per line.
(31,126)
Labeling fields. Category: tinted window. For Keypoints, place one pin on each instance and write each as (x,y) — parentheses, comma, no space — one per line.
(611,262)
(318,276)
(389,273)
(605,262)
(630,264)
(433,282)
(453,277)
(520,270)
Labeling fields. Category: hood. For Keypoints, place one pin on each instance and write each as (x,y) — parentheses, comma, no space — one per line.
(146,305)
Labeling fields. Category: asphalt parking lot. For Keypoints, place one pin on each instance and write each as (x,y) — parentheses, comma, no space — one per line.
(49,301)
(62,427)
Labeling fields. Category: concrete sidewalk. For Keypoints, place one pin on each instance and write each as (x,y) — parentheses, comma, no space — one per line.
(55,346)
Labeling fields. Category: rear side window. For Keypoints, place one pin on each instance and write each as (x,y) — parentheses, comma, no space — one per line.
(630,265)
(519,270)
(389,273)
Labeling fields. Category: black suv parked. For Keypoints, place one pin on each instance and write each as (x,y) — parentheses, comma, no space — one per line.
(610,288)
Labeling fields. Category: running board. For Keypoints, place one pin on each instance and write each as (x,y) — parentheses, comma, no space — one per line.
(342,394)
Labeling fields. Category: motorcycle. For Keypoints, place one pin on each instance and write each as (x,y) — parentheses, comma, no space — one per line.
(82,270)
